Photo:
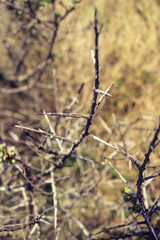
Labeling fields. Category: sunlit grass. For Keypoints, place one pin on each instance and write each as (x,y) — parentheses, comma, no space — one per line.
(129,57)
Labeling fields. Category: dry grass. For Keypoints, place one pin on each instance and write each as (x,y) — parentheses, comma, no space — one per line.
(129,57)
(128,54)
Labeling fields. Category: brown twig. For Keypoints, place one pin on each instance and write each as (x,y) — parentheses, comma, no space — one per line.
(72,115)
(15,227)
(39,131)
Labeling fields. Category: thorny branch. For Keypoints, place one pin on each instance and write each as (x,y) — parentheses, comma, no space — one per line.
(72,115)
(141,180)
(95,94)
(146,214)
(85,133)
(63,156)
(15,227)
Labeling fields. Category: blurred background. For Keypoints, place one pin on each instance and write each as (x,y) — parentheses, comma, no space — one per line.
(46,64)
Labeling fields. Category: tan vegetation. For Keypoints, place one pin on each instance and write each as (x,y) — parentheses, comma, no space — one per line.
(82,195)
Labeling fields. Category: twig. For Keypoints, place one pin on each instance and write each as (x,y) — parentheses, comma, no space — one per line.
(82,227)
(52,130)
(94,99)
(73,115)
(102,141)
(15,227)
(140,233)
(75,99)
(152,176)
(124,151)
(54,199)
(103,93)
(140,181)
(84,159)
(123,179)
(39,131)
(153,208)
(119,226)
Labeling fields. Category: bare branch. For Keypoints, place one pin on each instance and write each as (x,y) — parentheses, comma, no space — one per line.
(39,131)
(71,115)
